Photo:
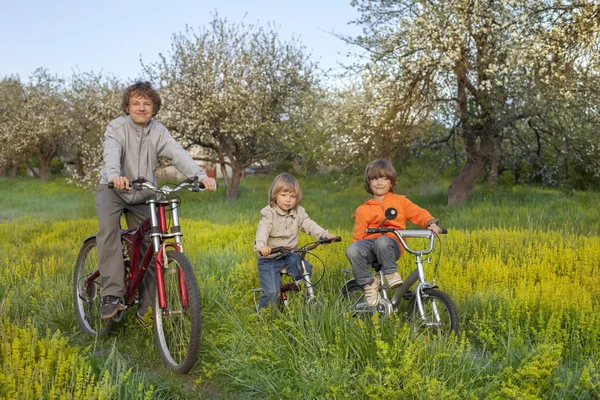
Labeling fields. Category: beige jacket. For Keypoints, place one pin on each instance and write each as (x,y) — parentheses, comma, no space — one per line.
(280,228)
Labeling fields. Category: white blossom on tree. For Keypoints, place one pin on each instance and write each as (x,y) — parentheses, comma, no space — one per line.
(480,66)
(235,91)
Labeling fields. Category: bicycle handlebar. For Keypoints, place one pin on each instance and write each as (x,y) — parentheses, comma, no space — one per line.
(142,183)
(307,247)
(402,234)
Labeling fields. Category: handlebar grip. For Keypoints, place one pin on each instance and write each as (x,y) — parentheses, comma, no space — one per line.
(373,230)
(444,231)
(278,249)
(111,185)
(323,240)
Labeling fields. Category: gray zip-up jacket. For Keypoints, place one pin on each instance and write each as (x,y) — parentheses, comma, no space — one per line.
(133,152)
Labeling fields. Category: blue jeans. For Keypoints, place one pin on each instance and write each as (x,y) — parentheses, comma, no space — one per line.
(362,253)
(270,279)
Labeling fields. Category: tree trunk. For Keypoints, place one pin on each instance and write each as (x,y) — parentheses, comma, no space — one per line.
(223,167)
(79,169)
(31,168)
(236,178)
(47,153)
(464,183)
(495,165)
(15,170)
(45,168)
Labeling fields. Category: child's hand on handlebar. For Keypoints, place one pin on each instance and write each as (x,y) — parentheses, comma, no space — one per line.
(264,251)
(121,182)
(435,229)
(209,183)
(329,236)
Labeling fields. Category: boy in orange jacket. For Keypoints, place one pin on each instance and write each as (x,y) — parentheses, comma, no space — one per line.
(384,249)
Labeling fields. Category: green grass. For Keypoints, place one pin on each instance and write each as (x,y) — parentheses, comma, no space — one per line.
(330,204)
(507,349)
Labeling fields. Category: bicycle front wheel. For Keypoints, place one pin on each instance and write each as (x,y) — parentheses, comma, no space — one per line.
(86,292)
(353,298)
(440,315)
(177,326)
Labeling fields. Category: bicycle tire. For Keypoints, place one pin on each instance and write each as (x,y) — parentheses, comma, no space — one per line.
(432,299)
(177,329)
(87,300)
(353,296)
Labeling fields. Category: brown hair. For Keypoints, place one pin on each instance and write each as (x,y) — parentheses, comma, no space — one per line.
(143,89)
(284,183)
(378,169)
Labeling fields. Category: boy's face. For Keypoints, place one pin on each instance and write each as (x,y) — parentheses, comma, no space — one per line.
(286,200)
(140,110)
(380,186)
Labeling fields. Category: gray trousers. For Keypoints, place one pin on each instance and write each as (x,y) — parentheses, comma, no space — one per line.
(362,253)
(109,206)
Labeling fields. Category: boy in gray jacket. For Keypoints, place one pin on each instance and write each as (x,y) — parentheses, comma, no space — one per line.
(132,145)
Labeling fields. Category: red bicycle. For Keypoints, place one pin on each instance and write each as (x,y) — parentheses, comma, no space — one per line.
(304,282)
(176,308)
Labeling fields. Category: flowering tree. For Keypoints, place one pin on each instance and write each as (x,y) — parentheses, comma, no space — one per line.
(40,127)
(481,66)
(93,101)
(370,119)
(236,91)
(12,99)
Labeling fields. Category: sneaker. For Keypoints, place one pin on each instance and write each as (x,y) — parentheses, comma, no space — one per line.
(372,292)
(393,280)
(110,306)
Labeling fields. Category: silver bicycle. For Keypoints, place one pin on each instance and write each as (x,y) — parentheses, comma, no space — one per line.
(427,308)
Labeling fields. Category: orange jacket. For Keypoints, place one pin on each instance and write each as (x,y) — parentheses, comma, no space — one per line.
(370,214)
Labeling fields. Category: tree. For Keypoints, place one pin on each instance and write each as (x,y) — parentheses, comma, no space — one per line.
(369,120)
(42,122)
(235,91)
(93,101)
(481,67)
(12,99)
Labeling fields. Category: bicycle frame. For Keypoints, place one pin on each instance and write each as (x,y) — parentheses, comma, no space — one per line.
(158,230)
(310,290)
(308,285)
(417,275)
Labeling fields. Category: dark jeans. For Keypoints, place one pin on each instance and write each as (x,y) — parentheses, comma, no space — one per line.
(268,273)
(362,253)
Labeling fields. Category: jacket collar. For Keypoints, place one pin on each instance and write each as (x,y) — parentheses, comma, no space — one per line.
(139,131)
(293,212)
(373,201)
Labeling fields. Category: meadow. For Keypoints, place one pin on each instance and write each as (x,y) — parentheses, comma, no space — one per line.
(521,263)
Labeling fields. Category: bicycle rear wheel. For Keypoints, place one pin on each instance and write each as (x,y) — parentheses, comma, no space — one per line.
(440,313)
(177,327)
(86,295)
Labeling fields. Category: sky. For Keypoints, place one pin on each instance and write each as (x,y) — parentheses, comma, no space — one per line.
(110,37)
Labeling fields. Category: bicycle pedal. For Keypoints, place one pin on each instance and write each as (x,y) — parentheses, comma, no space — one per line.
(119,315)
(256,290)
(91,291)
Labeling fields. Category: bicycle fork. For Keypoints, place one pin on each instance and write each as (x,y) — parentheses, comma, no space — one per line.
(421,286)
(159,232)
(310,290)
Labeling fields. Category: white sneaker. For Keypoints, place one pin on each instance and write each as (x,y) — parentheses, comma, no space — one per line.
(393,280)
(372,292)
